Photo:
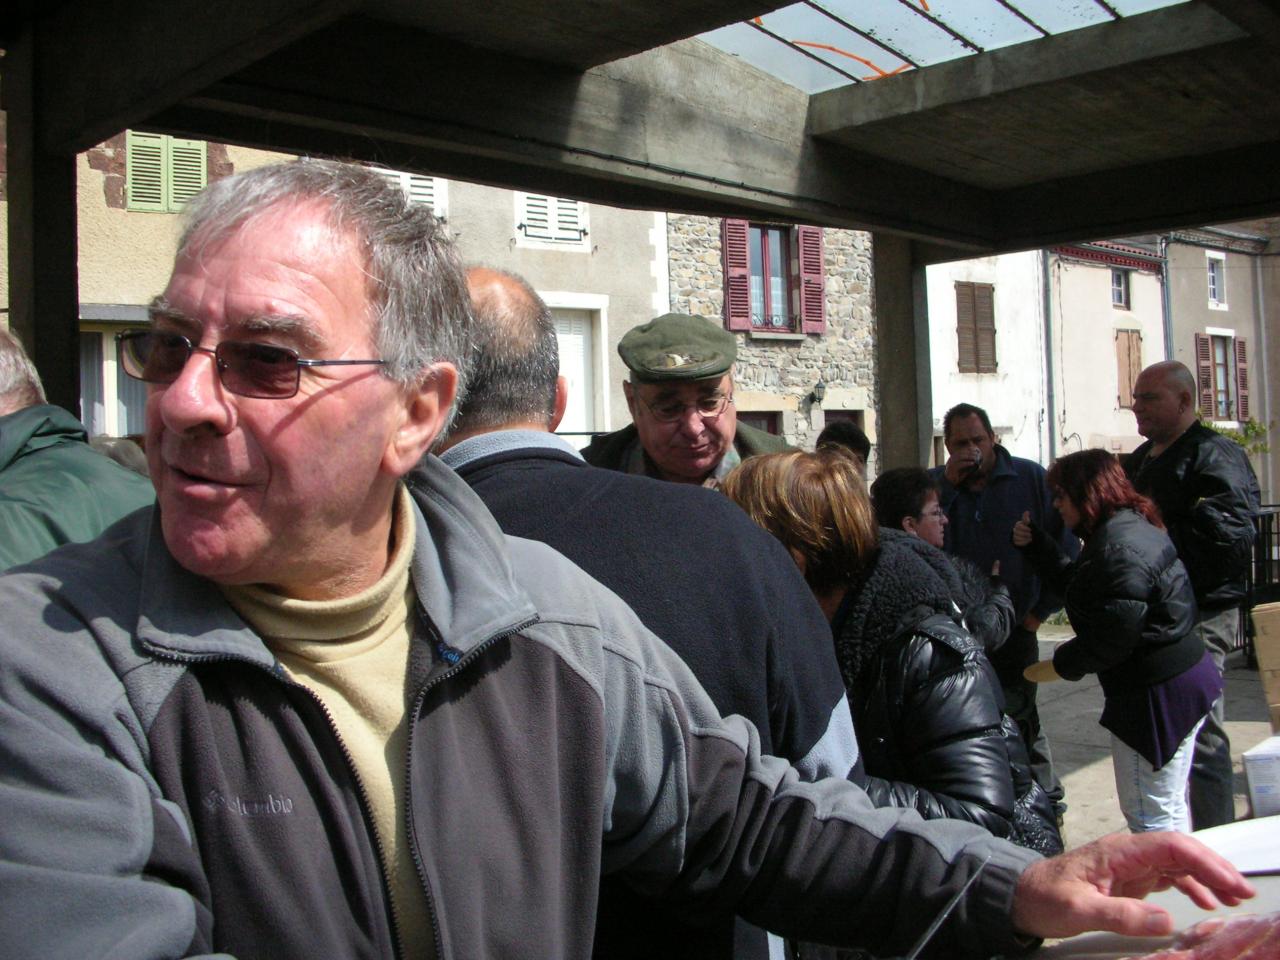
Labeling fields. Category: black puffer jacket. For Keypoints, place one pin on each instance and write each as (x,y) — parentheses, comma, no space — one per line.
(1129,601)
(926,702)
(985,603)
(1208,498)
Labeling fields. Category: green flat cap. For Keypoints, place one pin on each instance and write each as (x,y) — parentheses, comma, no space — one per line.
(676,346)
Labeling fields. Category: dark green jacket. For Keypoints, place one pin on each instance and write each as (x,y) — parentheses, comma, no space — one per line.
(54,488)
(608,450)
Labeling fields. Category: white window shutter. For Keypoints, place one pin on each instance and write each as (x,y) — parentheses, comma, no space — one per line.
(421,189)
(537,216)
(569,227)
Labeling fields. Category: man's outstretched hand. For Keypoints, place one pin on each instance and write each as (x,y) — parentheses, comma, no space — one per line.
(1099,886)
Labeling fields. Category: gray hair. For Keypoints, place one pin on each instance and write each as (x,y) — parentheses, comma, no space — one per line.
(20,385)
(515,361)
(415,284)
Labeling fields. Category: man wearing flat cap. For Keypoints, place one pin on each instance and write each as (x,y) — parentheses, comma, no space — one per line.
(680,394)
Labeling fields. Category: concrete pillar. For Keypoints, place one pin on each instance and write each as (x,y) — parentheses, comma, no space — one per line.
(902,354)
(44,296)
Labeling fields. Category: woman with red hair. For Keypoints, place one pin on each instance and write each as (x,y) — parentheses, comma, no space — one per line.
(1131,605)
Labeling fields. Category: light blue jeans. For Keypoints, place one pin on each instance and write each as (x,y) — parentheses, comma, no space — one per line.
(1153,799)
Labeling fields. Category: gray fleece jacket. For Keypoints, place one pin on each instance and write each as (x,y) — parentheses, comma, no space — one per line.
(169,792)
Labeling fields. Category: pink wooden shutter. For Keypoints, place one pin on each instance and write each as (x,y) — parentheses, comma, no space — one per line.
(811,280)
(1204,375)
(734,236)
(1242,380)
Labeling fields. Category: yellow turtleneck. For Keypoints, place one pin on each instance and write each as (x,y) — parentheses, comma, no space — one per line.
(350,653)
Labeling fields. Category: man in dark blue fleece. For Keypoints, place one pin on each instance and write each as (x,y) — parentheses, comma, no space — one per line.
(985,490)
(718,589)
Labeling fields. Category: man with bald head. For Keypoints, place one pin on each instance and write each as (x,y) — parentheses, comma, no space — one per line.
(1208,496)
(718,589)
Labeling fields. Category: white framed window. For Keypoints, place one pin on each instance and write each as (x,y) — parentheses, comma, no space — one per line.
(1216,267)
(582,326)
(420,188)
(1222,375)
(551,222)
(1120,288)
(112,403)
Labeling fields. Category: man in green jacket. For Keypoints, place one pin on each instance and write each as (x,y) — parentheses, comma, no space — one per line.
(680,393)
(54,488)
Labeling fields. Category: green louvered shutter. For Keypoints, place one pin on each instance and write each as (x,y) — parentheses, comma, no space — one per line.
(144,171)
(187,171)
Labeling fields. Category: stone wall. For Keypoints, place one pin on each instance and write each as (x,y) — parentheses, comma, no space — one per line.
(779,374)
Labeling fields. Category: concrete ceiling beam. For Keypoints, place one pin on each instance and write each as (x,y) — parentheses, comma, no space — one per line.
(102,68)
(1107,46)
(1260,17)
(686,122)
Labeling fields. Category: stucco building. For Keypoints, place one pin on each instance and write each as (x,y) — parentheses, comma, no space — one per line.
(1051,341)
(806,318)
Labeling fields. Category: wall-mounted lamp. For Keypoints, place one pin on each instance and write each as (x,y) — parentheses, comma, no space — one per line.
(818,392)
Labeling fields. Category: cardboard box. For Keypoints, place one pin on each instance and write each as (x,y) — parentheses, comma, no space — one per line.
(1262,772)
(1266,645)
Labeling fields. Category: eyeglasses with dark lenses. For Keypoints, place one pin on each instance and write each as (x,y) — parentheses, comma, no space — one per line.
(669,411)
(245,368)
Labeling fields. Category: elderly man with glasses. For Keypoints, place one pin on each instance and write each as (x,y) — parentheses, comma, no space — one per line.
(303,708)
(680,393)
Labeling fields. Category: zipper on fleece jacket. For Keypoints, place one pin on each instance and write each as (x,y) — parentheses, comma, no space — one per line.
(458,662)
(277,671)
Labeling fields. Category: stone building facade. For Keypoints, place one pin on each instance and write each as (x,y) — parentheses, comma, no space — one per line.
(777,372)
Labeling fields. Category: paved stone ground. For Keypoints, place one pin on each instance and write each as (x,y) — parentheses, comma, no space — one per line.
(1081,748)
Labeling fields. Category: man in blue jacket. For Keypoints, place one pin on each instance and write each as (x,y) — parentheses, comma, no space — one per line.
(54,487)
(985,490)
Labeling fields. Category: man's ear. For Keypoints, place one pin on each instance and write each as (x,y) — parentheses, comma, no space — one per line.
(562,401)
(426,408)
(628,391)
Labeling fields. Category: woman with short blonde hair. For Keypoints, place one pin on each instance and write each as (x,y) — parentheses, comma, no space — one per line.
(817,505)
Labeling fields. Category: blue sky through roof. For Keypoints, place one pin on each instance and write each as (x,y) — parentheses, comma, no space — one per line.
(821,44)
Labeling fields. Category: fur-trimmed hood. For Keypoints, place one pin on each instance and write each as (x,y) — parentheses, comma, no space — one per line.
(907,580)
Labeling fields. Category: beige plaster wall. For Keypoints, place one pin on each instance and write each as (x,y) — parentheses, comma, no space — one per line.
(1246,314)
(1087,393)
(1013,396)
(620,274)
(126,255)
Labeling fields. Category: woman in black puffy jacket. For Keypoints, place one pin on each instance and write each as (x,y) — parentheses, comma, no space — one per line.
(925,699)
(1131,606)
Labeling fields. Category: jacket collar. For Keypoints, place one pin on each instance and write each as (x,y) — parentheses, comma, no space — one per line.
(504,441)
(461,570)
(36,427)
(1004,463)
